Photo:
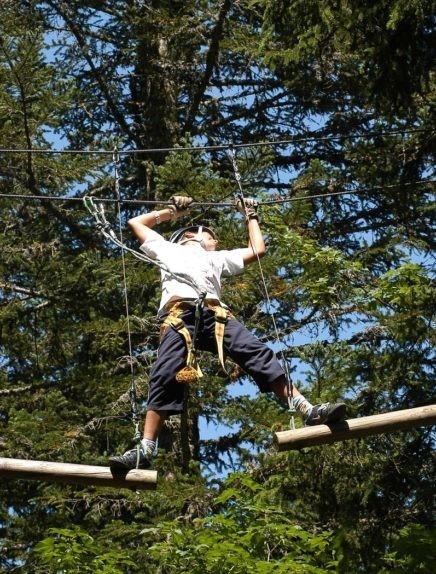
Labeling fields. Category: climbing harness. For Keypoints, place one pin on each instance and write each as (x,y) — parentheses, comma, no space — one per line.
(221,317)
(239,196)
(192,372)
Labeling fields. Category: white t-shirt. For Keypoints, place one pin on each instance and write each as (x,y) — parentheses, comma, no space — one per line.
(203,268)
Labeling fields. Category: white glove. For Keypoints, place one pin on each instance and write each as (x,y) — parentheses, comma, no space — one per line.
(248,209)
(179,206)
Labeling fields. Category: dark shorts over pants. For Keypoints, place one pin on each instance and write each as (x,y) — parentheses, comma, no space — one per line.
(256,358)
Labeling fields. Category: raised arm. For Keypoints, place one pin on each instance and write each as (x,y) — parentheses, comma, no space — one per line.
(256,244)
(142,224)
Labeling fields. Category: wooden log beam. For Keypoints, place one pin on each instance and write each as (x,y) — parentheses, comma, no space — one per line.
(77,474)
(355,428)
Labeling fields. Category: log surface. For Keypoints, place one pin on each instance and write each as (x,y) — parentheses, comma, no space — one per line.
(355,428)
(77,474)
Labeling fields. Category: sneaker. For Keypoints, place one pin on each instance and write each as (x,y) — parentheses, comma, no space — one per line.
(131,459)
(326,413)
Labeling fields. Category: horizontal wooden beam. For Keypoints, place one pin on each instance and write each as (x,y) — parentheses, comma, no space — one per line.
(77,474)
(355,428)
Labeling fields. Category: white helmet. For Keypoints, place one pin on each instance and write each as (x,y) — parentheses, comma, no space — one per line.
(177,235)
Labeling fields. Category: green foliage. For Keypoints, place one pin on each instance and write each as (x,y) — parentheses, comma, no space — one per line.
(413,551)
(345,88)
(249,532)
(187,173)
(70,551)
(363,48)
(326,276)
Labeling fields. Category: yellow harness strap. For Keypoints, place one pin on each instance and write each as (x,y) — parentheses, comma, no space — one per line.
(192,371)
(221,316)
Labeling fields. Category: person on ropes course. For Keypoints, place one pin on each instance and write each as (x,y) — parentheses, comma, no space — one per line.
(194,317)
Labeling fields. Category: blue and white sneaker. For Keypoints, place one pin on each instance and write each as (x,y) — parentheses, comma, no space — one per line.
(134,458)
(326,413)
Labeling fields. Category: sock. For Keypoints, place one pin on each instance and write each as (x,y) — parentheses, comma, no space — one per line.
(303,406)
(148,446)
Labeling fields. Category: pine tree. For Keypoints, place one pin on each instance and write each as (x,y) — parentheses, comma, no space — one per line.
(347,214)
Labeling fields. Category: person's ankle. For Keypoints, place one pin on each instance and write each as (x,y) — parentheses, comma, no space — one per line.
(148,446)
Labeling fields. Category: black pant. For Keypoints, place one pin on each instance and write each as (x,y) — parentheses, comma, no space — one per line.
(256,358)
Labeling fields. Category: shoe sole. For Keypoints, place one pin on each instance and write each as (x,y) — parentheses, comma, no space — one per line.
(121,465)
(118,464)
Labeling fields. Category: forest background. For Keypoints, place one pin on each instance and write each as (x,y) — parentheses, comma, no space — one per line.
(328,106)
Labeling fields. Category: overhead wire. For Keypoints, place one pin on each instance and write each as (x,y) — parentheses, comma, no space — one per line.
(222,147)
(107,200)
(219,147)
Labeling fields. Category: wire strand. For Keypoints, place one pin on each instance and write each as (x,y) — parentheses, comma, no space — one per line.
(123,259)
(220,147)
(218,203)
(132,392)
(240,196)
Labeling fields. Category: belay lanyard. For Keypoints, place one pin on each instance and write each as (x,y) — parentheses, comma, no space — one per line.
(96,209)
(199,305)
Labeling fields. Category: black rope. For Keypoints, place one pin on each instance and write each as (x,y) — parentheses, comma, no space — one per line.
(199,306)
(292,140)
(218,203)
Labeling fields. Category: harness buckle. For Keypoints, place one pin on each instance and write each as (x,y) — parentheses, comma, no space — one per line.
(177,324)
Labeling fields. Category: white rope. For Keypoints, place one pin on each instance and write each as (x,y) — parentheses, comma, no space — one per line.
(97,211)
(270,311)
(132,391)
(123,259)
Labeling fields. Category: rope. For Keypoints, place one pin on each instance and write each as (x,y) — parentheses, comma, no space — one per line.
(240,196)
(220,203)
(132,391)
(292,140)
(97,211)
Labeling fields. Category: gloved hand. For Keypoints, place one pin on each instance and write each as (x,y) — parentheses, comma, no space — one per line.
(248,209)
(179,205)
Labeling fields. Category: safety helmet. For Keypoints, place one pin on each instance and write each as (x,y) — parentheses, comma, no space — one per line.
(177,235)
